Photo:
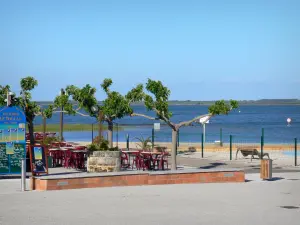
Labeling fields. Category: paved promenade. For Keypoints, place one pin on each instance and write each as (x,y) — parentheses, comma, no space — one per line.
(254,202)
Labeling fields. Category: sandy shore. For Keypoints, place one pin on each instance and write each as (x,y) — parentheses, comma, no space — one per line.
(208,147)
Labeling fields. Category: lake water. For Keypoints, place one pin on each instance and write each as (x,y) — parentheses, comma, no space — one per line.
(245,124)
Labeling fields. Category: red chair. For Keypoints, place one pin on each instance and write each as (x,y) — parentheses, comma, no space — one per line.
(136,161)
(125,160)
(68,159)
(164,160)
(53,155)
(145,161)
(79,147)
(55,144)
(62,144)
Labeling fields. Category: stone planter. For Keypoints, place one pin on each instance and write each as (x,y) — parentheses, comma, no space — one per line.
(101,161)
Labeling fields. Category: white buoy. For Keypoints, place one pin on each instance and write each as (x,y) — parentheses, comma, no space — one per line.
(289,120)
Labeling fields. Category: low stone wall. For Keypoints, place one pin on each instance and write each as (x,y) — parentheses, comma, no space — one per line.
(135,178)
(100,161)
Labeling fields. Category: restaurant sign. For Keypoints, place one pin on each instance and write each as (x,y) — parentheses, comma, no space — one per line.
(12,139)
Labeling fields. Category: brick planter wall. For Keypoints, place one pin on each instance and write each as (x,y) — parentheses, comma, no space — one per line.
(135,179)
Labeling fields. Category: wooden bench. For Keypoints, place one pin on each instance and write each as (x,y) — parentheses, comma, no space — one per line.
(250,151)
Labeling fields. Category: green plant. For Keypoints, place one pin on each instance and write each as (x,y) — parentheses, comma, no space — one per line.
(97,139)
(100,145)
(50,140)
(104,144)
(93,147)
(144,143)
(114,149)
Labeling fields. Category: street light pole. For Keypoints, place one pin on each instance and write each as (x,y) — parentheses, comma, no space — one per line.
(92,132)
(62,92)
(117,135)
(100,124)
(23,161)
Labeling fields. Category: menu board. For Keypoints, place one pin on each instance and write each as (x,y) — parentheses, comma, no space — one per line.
(15,159)
(38,160)
(12,139)
(4,165)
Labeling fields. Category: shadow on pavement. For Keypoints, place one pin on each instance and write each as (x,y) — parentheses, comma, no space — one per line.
(212,165)
(275,179)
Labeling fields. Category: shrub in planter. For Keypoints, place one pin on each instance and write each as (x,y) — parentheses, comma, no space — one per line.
(99,146)
(50,140)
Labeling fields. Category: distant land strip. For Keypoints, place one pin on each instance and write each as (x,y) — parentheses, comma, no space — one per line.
(241,102)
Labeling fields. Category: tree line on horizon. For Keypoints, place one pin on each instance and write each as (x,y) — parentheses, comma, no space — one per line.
(153,95)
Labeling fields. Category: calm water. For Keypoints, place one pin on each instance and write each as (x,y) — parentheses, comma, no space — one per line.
(245,124)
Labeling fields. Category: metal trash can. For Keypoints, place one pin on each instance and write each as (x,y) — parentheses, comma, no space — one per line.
(50,161)
(266,169)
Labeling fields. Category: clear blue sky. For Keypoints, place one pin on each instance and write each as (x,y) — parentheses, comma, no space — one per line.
(201,50)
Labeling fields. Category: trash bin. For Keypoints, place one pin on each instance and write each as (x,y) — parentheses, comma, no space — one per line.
(266,169)
(50,160)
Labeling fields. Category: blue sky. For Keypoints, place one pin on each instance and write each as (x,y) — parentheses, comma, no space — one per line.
(201,50)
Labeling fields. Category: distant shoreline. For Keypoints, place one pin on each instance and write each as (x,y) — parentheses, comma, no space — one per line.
(287,102)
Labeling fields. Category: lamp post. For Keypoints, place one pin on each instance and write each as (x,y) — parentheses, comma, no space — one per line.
(23,162)
(203,121)
(93,131)
(97,110)
(62,92)
(117,133)
(8,98)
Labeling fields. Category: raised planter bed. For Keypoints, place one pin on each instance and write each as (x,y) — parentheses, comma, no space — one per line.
(100,161)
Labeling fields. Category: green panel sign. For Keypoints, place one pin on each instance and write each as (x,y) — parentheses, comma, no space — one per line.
(12,139)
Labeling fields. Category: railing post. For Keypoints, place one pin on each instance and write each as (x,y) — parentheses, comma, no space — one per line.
(93,133)
(152,138)
(221,137)
(230,146)
(295,151)
(261,146)
(178,138)
(127,141)
(202,145)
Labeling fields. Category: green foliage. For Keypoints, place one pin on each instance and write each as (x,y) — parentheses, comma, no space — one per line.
(85,98)
(221,107)
(28,83)
(93,147)
(115,105)
(136,94)
(3,93)
(160,102)
(31,107)
(50,140)
(106,84)
(47,113)
(102,145)
(144,143)
(62,101)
